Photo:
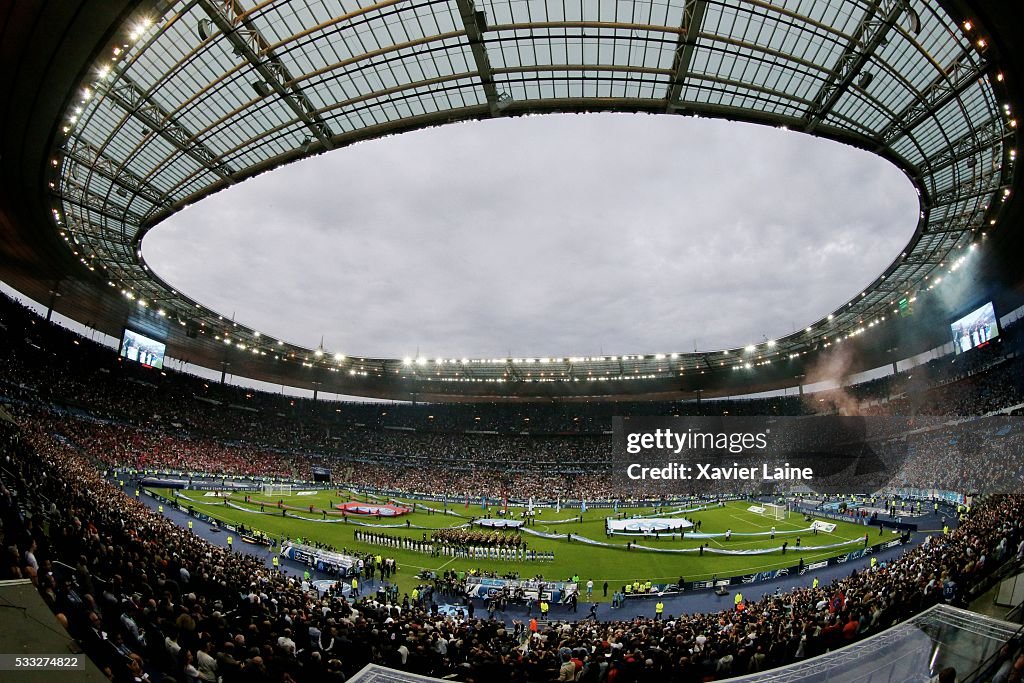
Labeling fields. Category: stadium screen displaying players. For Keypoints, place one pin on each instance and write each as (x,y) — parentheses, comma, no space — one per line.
(142,349)
(975,329)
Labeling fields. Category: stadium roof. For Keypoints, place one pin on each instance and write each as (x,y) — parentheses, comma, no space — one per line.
(123,113)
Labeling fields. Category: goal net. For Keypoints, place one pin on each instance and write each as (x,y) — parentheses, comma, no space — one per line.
(277,489)
(775,511)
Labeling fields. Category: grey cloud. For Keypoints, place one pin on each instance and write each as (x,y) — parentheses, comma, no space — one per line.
(556,235)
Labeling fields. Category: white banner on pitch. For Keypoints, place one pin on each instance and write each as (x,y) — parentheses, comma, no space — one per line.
(651,526)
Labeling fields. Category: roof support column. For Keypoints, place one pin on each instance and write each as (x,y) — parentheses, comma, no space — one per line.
(693,17)
(869,35)
(475,22)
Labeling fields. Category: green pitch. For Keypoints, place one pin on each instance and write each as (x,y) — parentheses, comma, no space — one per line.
(615,565)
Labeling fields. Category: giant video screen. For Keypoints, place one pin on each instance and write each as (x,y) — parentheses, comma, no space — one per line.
(141,349)
(975,329)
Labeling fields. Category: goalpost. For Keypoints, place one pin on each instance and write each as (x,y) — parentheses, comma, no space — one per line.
(277,489)
(775,511)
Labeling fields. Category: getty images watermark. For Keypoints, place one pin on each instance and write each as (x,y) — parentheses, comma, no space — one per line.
(826,454)
(702,443)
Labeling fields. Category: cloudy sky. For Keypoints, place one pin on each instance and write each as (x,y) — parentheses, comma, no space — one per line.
(553,235)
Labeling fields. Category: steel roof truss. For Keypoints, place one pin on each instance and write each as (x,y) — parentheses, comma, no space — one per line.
(693,17)
(129,97)
(878,20)
(965,70)
(475,22)
(250,44)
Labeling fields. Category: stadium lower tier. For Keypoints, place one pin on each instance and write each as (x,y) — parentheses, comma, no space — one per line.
(932,460)
(141,593)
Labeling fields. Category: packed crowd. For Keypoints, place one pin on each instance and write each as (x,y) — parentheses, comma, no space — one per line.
(45,363)
(970,457)
(937,460)
(145,596)
(125,446)
(128,416)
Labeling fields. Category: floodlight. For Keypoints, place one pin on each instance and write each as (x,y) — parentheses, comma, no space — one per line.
(204,28)
(913,20)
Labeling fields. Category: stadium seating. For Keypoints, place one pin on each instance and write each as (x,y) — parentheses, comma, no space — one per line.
(141,593)
(129,416)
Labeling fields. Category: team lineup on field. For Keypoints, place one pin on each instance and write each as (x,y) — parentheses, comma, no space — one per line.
(416,539)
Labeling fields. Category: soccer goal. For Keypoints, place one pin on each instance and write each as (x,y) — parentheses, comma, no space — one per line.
(775,511)
(277,489)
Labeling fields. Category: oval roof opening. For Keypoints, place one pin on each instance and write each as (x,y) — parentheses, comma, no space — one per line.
(546,235)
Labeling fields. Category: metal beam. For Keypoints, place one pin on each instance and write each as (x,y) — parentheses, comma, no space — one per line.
(475,22)
(866,38)
(973,143)
(693,17)
(92,158)
(986,182)
(249,43)
(77,193)
(965,223)
(137,103)
(921,259)
(963,72)
(512,372)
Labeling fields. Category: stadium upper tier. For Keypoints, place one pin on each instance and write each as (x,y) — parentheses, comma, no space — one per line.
(132,111)
(127,415)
